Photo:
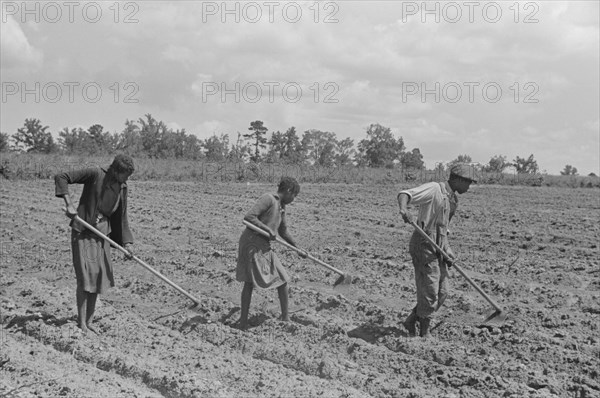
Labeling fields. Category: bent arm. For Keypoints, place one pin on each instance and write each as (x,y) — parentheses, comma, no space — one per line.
(263,204)
(403,200)
(62,180)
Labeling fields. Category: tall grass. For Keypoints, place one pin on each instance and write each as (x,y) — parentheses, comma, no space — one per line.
(34,166)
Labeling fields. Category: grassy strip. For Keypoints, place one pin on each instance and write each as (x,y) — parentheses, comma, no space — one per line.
(20,166)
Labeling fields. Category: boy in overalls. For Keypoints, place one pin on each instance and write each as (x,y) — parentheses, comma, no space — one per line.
(437,203)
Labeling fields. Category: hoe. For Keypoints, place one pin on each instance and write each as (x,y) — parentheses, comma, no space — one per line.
(344,279)
(498,316)
(140,261)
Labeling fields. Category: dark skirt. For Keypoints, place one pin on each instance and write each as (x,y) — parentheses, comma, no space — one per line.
(258,264)
(91,260)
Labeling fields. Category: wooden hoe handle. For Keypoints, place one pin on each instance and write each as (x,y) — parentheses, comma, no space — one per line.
(459,269)
(279,240)
(140,261)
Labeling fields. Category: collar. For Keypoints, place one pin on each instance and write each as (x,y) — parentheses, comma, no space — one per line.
(123,185)
(281,204)
(446,189)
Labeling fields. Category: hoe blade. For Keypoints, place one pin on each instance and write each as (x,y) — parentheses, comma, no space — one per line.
(496,318)
(343,280)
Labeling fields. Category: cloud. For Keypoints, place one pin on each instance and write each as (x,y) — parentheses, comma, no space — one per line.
(210,127)
(580,39)
(174,126)
(593,125)
(17,52)
(203,85)
(368,54)
(180,54)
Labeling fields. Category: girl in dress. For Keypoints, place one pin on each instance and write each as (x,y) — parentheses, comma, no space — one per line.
(257,263)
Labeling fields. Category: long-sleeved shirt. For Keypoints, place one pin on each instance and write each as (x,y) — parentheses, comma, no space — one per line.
(91,203)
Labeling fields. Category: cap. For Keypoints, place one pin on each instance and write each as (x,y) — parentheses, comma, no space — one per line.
(464,170)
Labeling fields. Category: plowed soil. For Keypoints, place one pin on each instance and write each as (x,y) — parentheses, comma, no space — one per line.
(534,250)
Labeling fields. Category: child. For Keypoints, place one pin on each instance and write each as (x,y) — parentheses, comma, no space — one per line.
(437,203)
(103,204)
(257,263)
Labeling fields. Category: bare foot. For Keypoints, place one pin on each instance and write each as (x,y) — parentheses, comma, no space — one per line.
(240,325)
(93,329)
(84,329)
(243,326)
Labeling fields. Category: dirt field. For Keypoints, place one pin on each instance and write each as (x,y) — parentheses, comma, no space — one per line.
(534,250)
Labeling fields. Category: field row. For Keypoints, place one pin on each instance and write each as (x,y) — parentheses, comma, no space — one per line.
(341,342)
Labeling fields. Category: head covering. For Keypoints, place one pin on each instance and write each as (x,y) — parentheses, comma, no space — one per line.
(463,170)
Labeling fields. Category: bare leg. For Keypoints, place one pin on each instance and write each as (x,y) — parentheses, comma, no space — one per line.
(81,309)
(283,292)
(246,298)
(91,308)
(441,299)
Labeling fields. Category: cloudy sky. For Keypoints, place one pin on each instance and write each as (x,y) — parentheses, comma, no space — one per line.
(478,78)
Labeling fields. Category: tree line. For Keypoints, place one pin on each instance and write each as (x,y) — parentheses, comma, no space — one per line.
(150,138)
